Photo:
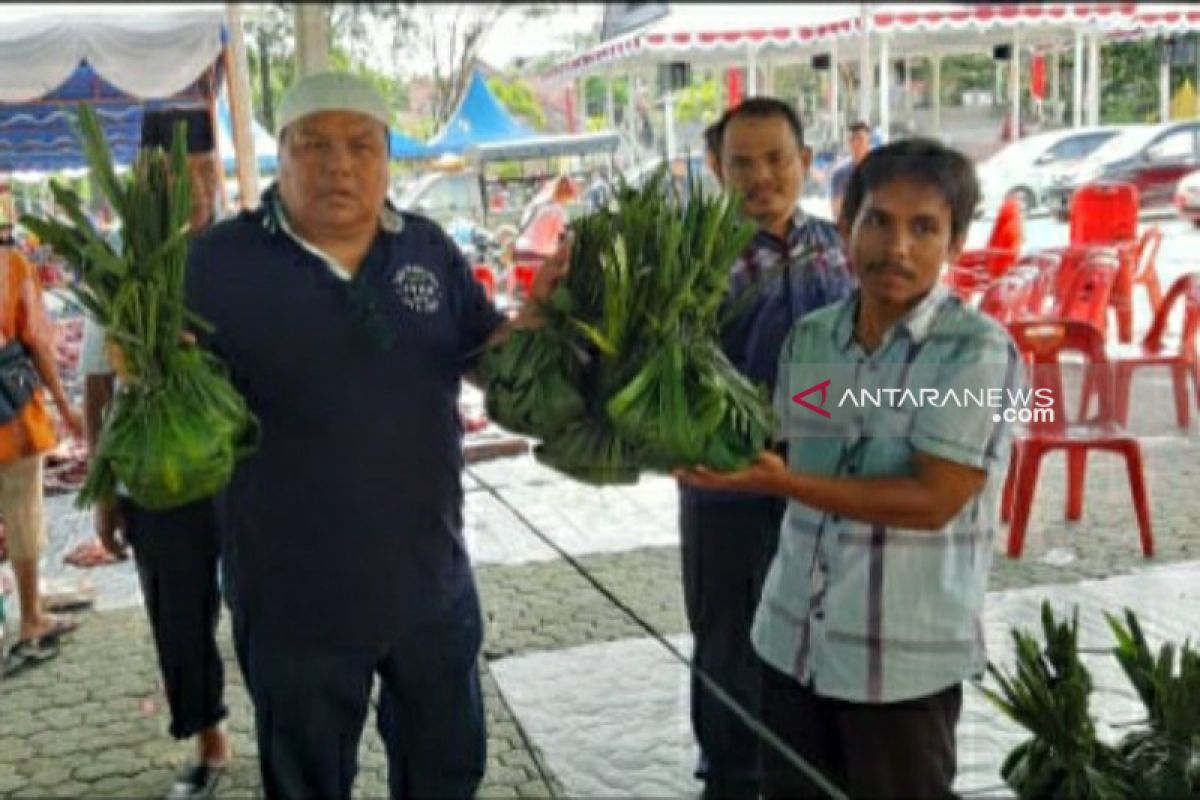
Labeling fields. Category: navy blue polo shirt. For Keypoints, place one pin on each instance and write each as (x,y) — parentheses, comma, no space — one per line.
(345,527)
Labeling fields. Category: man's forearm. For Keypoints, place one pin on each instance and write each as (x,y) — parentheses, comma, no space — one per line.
(43,362)
(97,392)
(902,502)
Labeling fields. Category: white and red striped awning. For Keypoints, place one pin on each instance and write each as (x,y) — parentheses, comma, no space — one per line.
(681,35)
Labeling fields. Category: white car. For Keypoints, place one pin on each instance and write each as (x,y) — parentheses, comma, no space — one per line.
(1187,197)
(1026,167)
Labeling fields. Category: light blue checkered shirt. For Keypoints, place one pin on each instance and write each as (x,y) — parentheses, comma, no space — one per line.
(865,612)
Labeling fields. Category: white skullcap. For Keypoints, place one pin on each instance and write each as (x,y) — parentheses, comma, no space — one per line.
(330,91)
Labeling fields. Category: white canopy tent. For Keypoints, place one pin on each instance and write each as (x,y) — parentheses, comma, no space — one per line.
(873,33)
(144,52)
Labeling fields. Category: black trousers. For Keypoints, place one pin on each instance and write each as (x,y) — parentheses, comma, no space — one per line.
(868,750)
(176,552)
(311,704)
(727,547)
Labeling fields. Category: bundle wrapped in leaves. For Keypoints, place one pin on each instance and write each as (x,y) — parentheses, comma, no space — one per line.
(1163,757)
(176,426)
(626,373)
(1049,696)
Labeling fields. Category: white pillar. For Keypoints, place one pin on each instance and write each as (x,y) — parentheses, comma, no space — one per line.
(1094,80)
(1052,68)
(751,72)
(908,97)
(1077,84)
(610,110)
(865,76)
(237,75)
(1164,89)
(997,82)
(935,67)
(631,102)
(669,122)
(769,76)
(1014,84)
(885,82)
(312,38)
(834,87)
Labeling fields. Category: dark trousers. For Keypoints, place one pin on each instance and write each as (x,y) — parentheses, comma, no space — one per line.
(868,750)
(176,552)
(310,706)
(727,548)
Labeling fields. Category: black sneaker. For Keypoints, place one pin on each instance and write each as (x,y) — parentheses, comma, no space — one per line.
(195,780)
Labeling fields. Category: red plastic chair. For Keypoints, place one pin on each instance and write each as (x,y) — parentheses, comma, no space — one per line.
(1155,350)
(1146,267)
(1107,214)
(1007,298)
(975,269)
(1086,297)
(483,273)
(1104,216)
(1043,343)
(1104,213)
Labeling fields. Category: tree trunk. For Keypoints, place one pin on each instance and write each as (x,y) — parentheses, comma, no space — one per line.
(264,77)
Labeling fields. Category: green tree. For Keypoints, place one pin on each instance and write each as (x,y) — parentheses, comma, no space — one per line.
(519,98)
(700,102)
(966,73)
(271,45)
(595,99)
(452,35)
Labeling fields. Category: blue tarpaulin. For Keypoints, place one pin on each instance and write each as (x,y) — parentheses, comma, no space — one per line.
(406,148)
(479,119)
(41,135)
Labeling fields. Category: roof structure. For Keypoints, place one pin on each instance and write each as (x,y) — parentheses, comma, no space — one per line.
(701,34)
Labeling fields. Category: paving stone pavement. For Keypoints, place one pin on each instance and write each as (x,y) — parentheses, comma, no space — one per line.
(92,722)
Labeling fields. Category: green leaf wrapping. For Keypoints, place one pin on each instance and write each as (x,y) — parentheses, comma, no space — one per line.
(176,428)
(626,374)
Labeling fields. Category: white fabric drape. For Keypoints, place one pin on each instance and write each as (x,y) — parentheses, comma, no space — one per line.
(149,55)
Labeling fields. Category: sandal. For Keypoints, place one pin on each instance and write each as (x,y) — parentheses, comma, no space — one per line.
(196,780)
(30,652)
(60,625)
(91,554)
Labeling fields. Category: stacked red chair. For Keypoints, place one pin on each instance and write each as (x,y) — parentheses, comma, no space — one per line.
(1043,343)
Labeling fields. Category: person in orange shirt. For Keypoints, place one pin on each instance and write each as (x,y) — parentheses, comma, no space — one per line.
(24,438)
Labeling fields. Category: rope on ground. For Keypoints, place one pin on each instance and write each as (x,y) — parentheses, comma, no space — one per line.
(759,730)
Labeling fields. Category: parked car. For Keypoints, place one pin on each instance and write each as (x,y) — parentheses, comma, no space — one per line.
(1153,158)
(445,196)
(693,167)
(1187,197)
(1025,167)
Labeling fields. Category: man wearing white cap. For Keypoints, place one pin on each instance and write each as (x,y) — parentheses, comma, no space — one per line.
(347,325)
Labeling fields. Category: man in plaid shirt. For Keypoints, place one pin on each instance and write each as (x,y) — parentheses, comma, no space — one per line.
(870,615)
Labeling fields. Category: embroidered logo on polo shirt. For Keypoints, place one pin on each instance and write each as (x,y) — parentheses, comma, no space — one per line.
(418,288)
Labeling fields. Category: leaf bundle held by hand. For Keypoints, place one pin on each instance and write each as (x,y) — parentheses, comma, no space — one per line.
(177,425)
(626,373)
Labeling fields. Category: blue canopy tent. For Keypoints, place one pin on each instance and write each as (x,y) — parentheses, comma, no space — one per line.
(406,148)
(479,119)
(52,62)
